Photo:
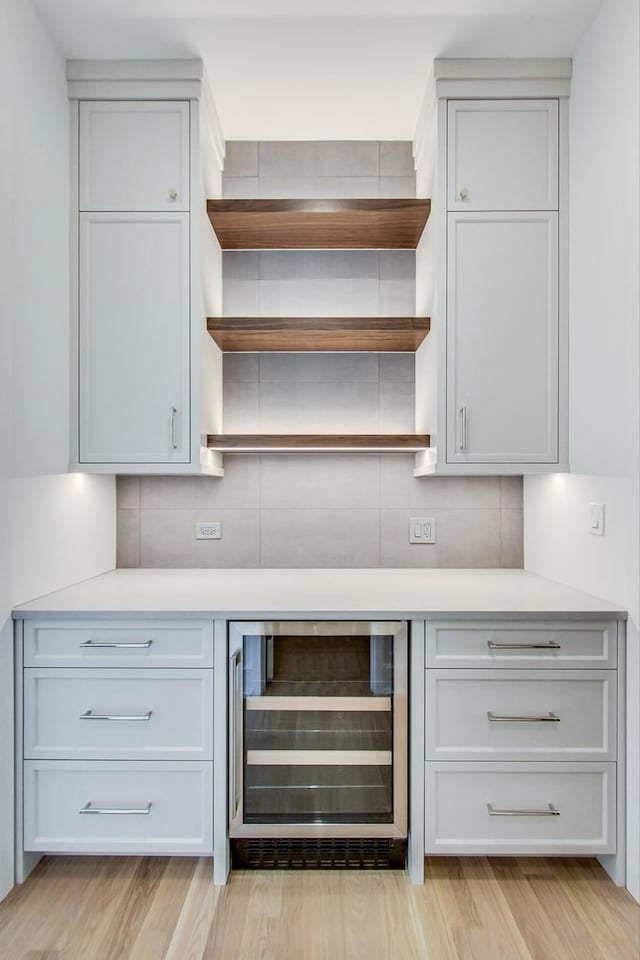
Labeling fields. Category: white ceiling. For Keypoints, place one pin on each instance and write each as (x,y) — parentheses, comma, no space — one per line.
(317,69)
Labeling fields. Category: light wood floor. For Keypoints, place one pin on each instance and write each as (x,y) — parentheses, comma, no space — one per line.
(168,909)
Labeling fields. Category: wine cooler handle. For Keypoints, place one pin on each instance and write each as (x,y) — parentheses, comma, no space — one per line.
(235,731)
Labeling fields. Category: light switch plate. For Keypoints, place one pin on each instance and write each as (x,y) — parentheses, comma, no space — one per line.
(209,531)
(596,519)
(422,530)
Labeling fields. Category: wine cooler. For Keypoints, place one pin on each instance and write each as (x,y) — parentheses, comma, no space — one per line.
(318,742)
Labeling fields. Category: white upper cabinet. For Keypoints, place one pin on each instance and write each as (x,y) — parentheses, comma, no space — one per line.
(134,155)
(502,338)
(134,338)
(502,155)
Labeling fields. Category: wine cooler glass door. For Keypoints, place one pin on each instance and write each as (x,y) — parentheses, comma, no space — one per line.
(317,715)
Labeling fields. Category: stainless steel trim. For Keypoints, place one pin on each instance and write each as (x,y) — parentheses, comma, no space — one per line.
(111,645)
(364,704)
(90,715)
(504,718)
(549,645)
(235,733)
(119,811)
(551,811)
(320,758)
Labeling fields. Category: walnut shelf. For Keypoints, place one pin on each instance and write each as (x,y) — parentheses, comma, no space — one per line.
(300,443)
(385,334)
(318,224)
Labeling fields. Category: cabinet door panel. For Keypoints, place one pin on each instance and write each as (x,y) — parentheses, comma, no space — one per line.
(134,338)
(134,155)
(502,155)
(502,338)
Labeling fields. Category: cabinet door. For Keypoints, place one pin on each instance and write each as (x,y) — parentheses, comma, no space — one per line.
(502,338)
(502,155)
(134,338)
(134,155)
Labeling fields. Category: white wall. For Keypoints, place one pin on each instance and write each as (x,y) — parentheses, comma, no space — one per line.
(605,360)
(55,528)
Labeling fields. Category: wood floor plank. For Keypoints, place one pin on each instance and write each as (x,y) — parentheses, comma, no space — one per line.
(102,908)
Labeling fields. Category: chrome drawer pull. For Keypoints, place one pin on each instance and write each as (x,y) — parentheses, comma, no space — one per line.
(90,715)
(549,812)
(143,645)
(550,645)
(134,811)
(503,718)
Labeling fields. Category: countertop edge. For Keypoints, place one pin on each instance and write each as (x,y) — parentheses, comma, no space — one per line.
(193,614)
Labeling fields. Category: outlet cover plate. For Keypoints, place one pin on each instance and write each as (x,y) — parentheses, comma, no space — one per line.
(422,530)
(209,531)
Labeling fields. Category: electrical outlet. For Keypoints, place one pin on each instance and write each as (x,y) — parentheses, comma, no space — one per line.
(209,531)
(422,530)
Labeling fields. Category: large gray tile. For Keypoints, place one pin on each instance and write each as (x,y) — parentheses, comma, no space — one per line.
(319,407)
(326,188)
(397,407)
(241,158)
(511,492)
(465,538)
(396,158)
(319,538)
(128,538)
(318,298)
(242,367)
(168,538)
(241,298)
(394,188)
(397,298)
(512,538)
(240,265)
(322,158)
(240,487)
(240,188)
(398,265)
(241,407)
(341,480)
(128,493)
(399,488)
(398,366)
(320,264)
(319,367)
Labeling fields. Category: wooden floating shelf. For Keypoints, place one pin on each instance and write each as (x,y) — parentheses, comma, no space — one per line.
(318,224)
(388,334)
(301,443)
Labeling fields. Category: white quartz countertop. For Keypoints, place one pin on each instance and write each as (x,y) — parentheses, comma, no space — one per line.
(260,594)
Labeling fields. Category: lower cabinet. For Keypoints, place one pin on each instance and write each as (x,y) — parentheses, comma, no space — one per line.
(521,753)
(520,808)
(117,736)
(118,808)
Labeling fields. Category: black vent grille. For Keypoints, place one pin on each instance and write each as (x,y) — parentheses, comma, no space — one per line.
(281,853)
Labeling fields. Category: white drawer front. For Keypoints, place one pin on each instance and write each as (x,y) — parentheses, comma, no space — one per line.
(523,797)
(511,644)
(520,715)
(118,714)
(177,796)
(118,643)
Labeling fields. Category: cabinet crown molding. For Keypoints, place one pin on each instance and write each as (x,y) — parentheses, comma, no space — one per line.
(503,77)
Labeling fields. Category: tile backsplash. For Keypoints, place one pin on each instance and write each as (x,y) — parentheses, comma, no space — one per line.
(319,510)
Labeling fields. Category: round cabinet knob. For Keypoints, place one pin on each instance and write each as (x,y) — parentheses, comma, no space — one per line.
(173,194)
(463,193)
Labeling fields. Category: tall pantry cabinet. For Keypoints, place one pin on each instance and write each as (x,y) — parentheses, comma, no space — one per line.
(500,317)
(143,356)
